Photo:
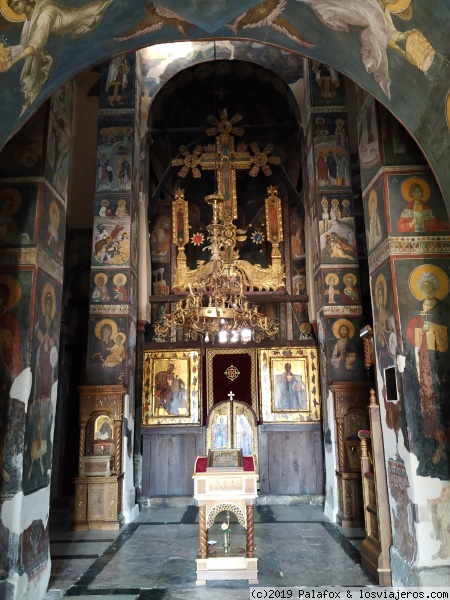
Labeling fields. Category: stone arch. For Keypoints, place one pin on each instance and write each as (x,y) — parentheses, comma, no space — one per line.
(315,37)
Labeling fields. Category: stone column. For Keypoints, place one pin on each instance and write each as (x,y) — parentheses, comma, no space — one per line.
(407,232)
(330,201)
(34,173)
(111,354)
(328,190)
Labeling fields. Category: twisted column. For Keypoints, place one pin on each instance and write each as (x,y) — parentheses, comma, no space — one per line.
(341,443)
(203,532)
(250,532)
(117,446)
(81,448)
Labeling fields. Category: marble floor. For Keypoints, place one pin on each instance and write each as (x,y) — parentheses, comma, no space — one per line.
(154,557)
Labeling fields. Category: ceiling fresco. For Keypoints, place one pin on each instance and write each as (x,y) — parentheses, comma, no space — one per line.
(398,50)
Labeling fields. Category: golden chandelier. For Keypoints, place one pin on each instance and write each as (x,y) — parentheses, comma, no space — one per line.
(215,305)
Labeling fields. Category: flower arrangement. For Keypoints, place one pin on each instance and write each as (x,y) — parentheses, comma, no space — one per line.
(225,527)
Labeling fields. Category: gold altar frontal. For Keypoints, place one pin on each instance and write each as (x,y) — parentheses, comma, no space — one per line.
(230,490)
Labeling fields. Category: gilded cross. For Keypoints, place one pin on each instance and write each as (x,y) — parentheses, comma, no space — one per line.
(225,159)
(231,396)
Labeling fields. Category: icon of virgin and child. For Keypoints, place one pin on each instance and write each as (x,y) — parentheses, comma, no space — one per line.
(170,392)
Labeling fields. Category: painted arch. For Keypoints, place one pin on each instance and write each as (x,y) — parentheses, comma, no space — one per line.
(398,51)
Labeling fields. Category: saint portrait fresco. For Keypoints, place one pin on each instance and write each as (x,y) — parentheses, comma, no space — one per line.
(425,324)
(418,216)
(375,233)
(344,350)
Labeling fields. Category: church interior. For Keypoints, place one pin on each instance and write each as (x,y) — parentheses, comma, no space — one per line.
(223,248)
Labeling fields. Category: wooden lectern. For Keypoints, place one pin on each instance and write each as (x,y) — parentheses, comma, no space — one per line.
(220,485)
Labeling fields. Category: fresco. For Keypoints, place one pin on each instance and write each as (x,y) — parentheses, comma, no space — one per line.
(23,154)
(111,241)
(424,317)
(368,138)
(59,138)
(38,65)
(340,287)
(107,346)
(297,220)
(375,218)
(38,451)
(403,529)
(53,226)
(34,547)
(18,206)
(344,349)
(416,205)
(326,85)
(398,147)
(337,232)
(118,82)
(15,306)
(413,57)
(331,151)
(112,206)
(109,287)
(114,152)
(386,336)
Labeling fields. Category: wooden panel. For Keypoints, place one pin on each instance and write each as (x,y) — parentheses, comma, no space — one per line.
(169,455)
(291,459)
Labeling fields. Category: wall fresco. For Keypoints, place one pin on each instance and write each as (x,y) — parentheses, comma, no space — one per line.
(34,547)
(40,415)
(368,138)
(107,346)
(53,227)
(344,350)
(109,287)
(326,85)
(18,206)
(23,154)
(15,299)
(375,217)
(398,147)
(111,241)
(112,206)
(58,138)
(114,151)
(416,205)
(118,82)
(386,338)
(425,319)
(402,516)
(340,287)
(331,151)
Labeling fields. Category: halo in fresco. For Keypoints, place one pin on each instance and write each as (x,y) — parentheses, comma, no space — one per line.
(406,186)
(54,210)
(338,325)
(100,324)
(398,6)
(329,276)
(441,275)
(15,195)
(9,14)
(48,289)
(381,280)
(15,291)
(97,277)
